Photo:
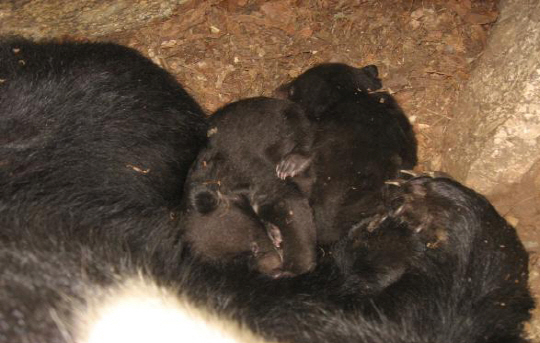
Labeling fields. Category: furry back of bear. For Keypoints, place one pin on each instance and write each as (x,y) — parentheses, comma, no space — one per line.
(95,143)
(73,294)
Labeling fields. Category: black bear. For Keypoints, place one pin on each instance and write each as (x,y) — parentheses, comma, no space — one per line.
(95,144)
(237,207)
(362,138)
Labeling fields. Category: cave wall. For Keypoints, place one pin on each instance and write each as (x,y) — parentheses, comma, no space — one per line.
(494,138)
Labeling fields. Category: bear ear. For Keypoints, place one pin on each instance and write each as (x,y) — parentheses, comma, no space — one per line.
(369,78)
(204,200)
(372,70)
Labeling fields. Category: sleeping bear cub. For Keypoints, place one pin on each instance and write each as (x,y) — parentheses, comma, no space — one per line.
(236,206)
(362,138)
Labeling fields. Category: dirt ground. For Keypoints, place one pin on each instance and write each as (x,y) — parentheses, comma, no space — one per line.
(224,50)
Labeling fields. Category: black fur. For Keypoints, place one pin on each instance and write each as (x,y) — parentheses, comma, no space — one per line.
(44,287)
(362,139)
(435,264)
(326,85)
(237,201)
(96,142)
(461,278)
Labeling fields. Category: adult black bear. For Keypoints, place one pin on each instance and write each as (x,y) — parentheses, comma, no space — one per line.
(95,144)
(236,206)
(362,138)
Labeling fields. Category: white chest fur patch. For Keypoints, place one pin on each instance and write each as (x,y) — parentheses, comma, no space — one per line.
(137,310)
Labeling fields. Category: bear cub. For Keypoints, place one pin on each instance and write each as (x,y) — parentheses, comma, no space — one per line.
(238,203)
(362,138)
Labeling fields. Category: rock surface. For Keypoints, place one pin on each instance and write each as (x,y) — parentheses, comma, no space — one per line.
(494,138)
(54,18)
